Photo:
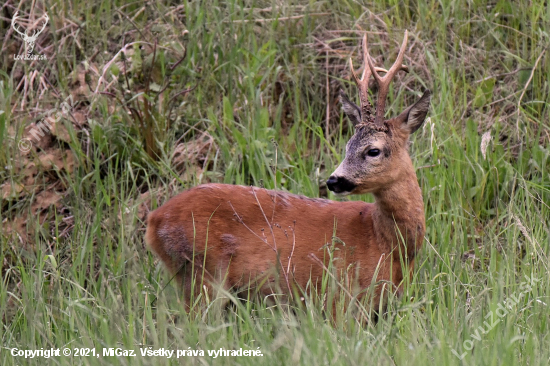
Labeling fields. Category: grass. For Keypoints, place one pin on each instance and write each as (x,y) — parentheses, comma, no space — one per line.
(75,270)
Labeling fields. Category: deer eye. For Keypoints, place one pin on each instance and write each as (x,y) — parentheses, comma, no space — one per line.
(373,152)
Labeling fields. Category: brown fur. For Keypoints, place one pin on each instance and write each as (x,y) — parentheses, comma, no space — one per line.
(226,223)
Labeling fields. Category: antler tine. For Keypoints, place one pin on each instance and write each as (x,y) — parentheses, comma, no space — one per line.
(384,81)
(363,83)
(46,18)
(14,26)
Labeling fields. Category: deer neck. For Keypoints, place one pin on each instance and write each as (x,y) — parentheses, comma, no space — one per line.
(399,214)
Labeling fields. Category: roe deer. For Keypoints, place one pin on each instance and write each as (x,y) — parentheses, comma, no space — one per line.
(244,236)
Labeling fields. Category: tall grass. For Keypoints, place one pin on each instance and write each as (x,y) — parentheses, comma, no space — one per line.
(79,276)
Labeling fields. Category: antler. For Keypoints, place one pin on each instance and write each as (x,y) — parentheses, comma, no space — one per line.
(14,26)
(384,82)
(46,18)
(363,83)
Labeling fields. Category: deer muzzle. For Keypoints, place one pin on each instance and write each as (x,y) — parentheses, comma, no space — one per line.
(340,185)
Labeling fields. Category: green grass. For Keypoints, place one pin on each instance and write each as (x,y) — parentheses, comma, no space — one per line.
(78,275)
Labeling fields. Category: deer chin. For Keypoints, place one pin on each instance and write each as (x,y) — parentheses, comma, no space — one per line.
(341,194)
(364,189)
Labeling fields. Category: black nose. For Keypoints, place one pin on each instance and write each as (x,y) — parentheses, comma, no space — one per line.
(331,182)
(340,184)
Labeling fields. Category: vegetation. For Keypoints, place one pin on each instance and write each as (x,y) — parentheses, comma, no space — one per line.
(162,96)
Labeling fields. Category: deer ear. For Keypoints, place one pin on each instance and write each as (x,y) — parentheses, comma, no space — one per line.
(352,111)
(413,117)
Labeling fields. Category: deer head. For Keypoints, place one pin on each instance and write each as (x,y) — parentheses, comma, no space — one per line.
(29,40)
(377,154)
